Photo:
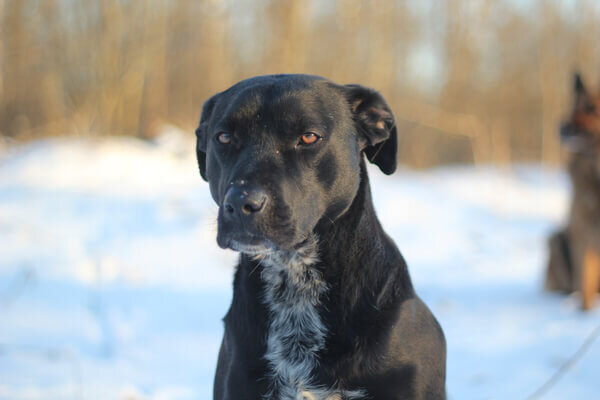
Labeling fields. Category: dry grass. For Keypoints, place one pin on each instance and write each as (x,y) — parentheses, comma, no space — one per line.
(494,91)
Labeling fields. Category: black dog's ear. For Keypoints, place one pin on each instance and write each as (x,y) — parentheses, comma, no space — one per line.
(376,126)
(201,135)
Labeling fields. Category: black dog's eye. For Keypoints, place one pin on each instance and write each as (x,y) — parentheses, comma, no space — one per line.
(309,138)
(224,137)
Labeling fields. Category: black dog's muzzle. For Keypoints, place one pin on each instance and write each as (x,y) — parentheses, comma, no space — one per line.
(240,215)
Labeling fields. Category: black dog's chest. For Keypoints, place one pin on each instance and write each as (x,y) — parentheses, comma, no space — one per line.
(293,294)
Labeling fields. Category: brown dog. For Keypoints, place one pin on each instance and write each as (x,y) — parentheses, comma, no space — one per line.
(575,251)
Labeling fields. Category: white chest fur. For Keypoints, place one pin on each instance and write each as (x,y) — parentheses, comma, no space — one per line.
(293,292)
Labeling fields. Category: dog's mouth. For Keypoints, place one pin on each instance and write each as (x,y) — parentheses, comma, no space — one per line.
(250,249)
(253,238)
(256,244)
(246,243)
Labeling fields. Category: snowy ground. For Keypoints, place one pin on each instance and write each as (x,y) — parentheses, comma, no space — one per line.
(112,285)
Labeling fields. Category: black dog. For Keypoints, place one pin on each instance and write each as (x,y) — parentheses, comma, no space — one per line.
(323,306)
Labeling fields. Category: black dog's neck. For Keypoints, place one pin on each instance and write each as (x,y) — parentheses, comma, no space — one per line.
(360,217)
(362,265)
(356,240)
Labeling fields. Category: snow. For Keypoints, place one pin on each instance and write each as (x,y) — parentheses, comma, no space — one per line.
(112,285)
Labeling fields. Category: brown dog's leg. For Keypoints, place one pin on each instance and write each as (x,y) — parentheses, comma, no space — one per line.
(559,274)
(590,278)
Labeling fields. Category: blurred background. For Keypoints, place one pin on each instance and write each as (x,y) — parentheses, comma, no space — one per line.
(111,282)
(469,81)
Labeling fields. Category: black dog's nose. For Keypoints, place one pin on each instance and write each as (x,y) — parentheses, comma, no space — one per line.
(245,200)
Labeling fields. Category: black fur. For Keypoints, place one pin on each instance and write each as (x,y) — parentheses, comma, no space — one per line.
(380,339)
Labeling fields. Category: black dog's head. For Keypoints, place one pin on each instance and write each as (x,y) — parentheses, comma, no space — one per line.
(282,152)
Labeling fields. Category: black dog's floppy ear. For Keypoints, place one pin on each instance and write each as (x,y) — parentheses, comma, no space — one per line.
(376,126)
(201,136)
